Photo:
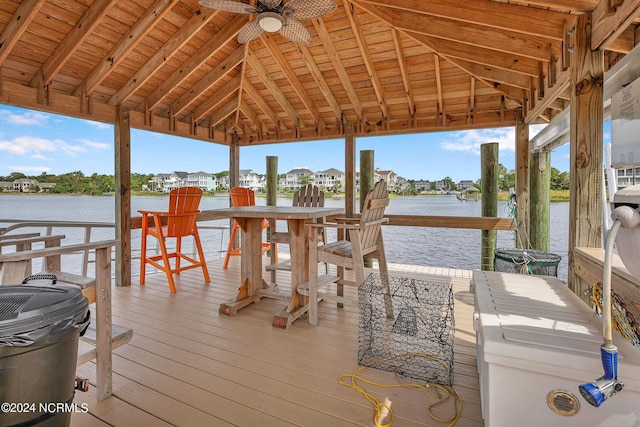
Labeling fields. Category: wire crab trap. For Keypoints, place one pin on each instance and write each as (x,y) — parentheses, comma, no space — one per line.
(415,337)
(526,261)
(623,320)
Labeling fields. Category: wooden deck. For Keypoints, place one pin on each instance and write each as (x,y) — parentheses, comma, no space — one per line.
(187,365)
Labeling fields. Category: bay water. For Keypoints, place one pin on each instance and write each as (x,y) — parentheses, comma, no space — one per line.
(439,247)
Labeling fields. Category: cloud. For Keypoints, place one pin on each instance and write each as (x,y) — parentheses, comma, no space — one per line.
(28,118)
(470,141)
(99,125)
(29,170)
(35,147)
(94,144)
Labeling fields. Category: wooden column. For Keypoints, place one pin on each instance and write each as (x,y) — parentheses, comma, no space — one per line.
(234,174)
(122,151)
(489,177)
(540,180)
(349,170)
(586,127)
(522,181)
(272,200)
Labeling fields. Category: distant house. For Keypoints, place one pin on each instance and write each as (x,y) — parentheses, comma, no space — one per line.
(6,186)
(203,180)
(292,180)
(440,186)
(422,185)
(28,185)
(249,179)
(464,184)
(176,180)
(628,177)
(389,176)
(330,179)
(157,182)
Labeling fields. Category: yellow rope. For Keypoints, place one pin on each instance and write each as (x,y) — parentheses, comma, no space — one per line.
(383,409)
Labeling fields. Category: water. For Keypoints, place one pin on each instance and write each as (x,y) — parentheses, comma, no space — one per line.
(442,247)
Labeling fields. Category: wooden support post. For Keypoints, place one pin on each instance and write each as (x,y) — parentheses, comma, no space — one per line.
(540,179)
(366,183)
(350,168)
(586,129)
(234,172)
(272,200)
(122,151)
(522,180)
(489,177)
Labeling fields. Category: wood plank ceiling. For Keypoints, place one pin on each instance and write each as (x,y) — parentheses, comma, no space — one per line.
(387,66)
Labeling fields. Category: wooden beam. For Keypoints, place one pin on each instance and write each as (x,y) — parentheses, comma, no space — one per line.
(199,57)
(273,87)
(88,21)
(586,130)
(17,25)
(290,73)
(322,83)
(212,102)
(243,69)
(550,95)
(144,73)
(228,64)
(404,73)
(223,112)
(263,105)
(466,33)
(340,69)
(356,26)
(607,27)
(522,19)
(127,42)
(350,170)
(436,65)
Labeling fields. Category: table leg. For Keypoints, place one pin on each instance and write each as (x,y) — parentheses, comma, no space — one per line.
(299,274)
(250,266)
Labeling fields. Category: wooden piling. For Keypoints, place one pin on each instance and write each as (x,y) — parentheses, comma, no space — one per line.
(272,200)
(540,180)
(489,176)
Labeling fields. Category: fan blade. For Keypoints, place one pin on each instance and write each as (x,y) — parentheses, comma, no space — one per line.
(249,32)
(271,3)
(295,31)
(228,6)
(307,9)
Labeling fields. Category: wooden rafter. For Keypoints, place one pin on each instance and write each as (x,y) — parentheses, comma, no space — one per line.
(212,102)
(550,95)
(525,20)
(263,105)
(404,73)
(283,63)
(184,34)
(223,112)
(606,26)
(81,30)
(248,112)
(280,97)
(210,48)
(366,56)
(127,42)
(477,36)
(212,77)
(339,67)
(17,25)
(320,81)
(436,64)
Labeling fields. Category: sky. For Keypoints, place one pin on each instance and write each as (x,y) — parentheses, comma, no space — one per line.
(33,142)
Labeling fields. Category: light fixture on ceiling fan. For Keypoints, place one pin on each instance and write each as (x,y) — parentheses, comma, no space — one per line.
(275,16)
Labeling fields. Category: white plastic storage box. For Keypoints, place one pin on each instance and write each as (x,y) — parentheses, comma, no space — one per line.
(536,343)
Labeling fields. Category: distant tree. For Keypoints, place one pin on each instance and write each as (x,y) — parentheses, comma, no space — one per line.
(305,179)
(448,183)
(337,185)
(506,179)
(559,180)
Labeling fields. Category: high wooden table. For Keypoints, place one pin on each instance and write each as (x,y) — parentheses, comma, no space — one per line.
(252,286)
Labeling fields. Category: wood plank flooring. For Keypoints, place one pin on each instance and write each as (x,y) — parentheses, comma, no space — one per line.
(189,366)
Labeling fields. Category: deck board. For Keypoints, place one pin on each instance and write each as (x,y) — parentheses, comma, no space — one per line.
(188,365)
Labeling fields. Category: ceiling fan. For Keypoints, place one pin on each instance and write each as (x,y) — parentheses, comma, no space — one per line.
(275,16)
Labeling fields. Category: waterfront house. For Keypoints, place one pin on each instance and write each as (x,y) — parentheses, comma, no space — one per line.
(422,186)
(249,179)
(370,68)
(464,184)
(331,179)
(203,180)
(296,177)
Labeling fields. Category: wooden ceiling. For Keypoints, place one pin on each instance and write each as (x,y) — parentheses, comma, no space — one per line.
(387,66)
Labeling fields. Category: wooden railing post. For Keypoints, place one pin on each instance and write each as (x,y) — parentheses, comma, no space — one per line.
(489,167)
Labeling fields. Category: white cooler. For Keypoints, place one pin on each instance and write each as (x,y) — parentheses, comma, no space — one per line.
(536,343)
